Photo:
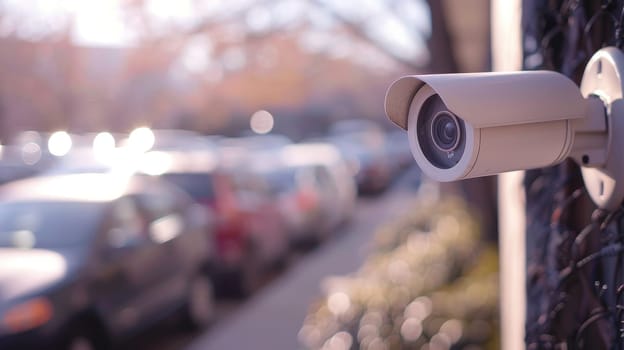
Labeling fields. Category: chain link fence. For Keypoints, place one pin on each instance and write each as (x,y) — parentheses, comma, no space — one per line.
(575,253)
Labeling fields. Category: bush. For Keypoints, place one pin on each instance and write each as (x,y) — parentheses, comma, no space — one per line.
(430,283)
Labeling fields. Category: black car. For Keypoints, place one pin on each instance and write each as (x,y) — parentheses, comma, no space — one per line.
(87,260)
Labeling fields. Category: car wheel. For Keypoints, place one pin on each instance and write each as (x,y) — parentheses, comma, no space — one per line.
(81,343)
(200,305)
(80,338)
(251,273)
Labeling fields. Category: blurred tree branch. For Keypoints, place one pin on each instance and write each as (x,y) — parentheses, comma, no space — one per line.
(438,44)
(358,30)
(442,58)
(151,77)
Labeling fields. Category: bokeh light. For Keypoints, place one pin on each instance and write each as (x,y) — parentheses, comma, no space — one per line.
(155,163)
(31,153)
(261,122)
(103,141)
(453,329)
(104,146)
(59,143)
(411,329)
(340,341)
(338,303)
(141,139)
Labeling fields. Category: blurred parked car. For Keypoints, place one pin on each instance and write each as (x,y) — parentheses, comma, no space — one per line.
(12,165)
(343,184)
(314,188)
(351,126)
(82,160)
(250,234)
(179,139)
(362,143)
(14,171)
(29,149)
(87,260)
(369,165)
(397,150)
(257,142)
(17,163)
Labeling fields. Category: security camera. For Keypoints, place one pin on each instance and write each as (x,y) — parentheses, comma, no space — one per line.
(468,125)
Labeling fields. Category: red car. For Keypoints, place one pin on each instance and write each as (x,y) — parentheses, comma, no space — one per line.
(251,236)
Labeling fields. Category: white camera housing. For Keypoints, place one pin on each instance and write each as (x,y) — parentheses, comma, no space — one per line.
(468,125)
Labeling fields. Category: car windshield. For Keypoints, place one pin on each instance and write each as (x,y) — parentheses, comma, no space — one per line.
(282,180)
(197,185)
(47,225)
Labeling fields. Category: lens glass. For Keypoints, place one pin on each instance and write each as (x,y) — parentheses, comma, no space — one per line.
(441,134)
(445,131)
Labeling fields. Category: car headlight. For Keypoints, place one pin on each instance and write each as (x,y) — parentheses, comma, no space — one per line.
(28,315)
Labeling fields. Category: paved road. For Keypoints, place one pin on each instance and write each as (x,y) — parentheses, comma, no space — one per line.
(273,317)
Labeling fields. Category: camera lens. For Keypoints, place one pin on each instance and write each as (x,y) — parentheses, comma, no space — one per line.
(441,134)
(445,131)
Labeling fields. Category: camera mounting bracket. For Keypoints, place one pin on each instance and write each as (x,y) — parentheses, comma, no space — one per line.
(603,78)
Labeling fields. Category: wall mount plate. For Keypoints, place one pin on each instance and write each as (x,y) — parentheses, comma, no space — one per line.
(603,78)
